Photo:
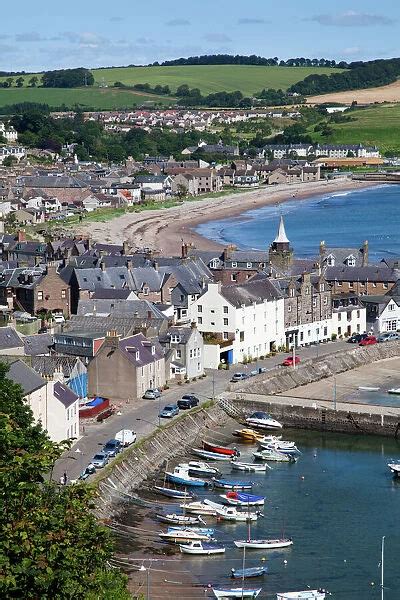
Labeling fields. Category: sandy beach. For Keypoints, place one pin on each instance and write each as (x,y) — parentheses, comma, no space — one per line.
(164,229)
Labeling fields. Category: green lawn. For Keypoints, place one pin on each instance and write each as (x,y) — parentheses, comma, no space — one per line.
(91,97)
(378,125)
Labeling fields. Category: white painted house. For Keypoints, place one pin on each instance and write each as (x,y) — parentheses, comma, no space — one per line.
(239,321)
(383,313)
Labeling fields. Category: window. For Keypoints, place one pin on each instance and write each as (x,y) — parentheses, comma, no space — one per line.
(307,291)
(212,311)
(225,321)
(325,331)
(339,283)
(391,325)
(199,308)
(326,301)
(146,291)
(358,314)
(339,330)
(234,265)
(40,295)
(390,307)
(212,323)
(351,261)
(153,350)
(225,335)
(322,287)
(200,320)
(385,286)
(314,302)
(175,338)
(241,336)
(233,277)
(63,294)
(351,284)
(339,317)
(226,309)
(191,354)
(289,308)
(249,265)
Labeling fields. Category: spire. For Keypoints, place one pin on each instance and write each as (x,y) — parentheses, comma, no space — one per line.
(281,237)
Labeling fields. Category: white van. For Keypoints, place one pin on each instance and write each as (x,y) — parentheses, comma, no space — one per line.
(126,437)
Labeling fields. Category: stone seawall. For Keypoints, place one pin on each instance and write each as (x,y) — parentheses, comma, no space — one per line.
(281,379)
(137,463)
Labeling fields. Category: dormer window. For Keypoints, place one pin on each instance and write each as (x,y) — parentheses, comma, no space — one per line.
(351,261)
(330,261)
(145,291)
(214,263)
(175,339)
(249,265)
(153,350)
(234,265)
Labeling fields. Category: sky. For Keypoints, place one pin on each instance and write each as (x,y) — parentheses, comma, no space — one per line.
(92,33)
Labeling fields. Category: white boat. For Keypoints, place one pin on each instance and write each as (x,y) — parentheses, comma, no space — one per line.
(273,455)
(364,388)
(201,549)
(182,477)
(395,468)
(210,455)
(279,447)
(395,391)
(198,468)
(249,467)
(269,544)
(230,513)
(306,595)
(262,420)
(227,593)
(184,535)
(199,508)
(270,440)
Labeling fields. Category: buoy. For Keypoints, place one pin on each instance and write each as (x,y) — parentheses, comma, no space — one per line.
(372,582)
(345,560)
(285,562)
(302,477)
(263,559)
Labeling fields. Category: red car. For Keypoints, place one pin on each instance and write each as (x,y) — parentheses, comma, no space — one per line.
(288,362)
(368,341)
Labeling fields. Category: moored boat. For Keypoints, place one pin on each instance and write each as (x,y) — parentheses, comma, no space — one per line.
(175,519)
(182,536)
(199,469)
(199,508)
(230,513)
(170,493)
(305,595)
(395,468)
(273,455)
(249,467)
(182,477)
(220,449)
(232,485)
(201,548)
(226,593)
(247,434)
(249,572)
(262,420)
(395,391)
(210,455)
(209,531)
(242,499)
(268,544)
(364,388)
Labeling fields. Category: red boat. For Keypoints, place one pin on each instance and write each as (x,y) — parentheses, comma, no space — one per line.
(220,449)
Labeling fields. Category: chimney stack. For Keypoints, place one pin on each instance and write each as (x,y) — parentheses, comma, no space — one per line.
(125,248)
(103,266)
(184,250)
(21,236)
(365,252)
(322,248)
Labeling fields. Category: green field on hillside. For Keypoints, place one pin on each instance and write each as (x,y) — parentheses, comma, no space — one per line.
(91,97)
(375,126)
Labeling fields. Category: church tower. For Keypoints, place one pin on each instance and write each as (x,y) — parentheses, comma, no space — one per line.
(280,251)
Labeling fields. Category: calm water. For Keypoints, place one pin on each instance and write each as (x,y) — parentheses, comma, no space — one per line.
(341,219)
(336,502)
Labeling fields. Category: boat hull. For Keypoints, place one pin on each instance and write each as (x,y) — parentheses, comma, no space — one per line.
(225,593)
(232,485)
(178,520)
(187,549)
(248,573)
(263,544)
(179,494)
(249,467)
(211,455)
(198,508)
(189,482)
(220,449)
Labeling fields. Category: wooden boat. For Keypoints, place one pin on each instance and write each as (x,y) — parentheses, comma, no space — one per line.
(220,449)
(199,469)
(240,592)
(395,468)
(230,513)
(199,508)
(249,467)
(395,391)
(242,499)
(247,434)
(232,485)
(183,536)
(174,519)
(201,549)
(210,455)
(305,595)
(268,544)
(170,493)
(249,572)
(182,477)
(273,455)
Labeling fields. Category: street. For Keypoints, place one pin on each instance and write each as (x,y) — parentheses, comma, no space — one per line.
(142,415)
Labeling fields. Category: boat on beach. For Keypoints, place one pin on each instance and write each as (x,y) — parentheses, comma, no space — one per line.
(201,549)
(181,477)
(242,499)
(249,572)
(227,593)
(364,388)
(199,508)
(220,449)
(395,391)
(267,544)
(305,595)
(170,493)
(262,420)
(249,467)
(175,519)
(211,455)
(199,469)
(232,485)
(395,468)
(184,535)
(247,434)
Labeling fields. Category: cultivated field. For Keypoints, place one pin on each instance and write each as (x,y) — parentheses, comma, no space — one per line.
(377,125)
(91,97)
(386,93)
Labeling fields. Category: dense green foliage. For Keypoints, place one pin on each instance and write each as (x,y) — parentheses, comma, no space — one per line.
(51,546)
(359,75)
(238,59)
(219,99)
(67,78)
(278,97)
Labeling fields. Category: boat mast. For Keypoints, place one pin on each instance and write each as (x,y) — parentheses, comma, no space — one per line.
(382,566)
(243,567)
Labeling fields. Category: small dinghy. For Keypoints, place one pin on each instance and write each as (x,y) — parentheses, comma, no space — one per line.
(182,536)
(232,485)
(273,455)
(170,493)
(364,388)
(200,530)
(395,391)
(249,467)
(201,548)
(199,508)
(220,449)
(210,455)
(242,499)
(247,573)
(264,544)
(305,595)
(226,593)
(174,519)
(199,469)
(182,477)
(395,468)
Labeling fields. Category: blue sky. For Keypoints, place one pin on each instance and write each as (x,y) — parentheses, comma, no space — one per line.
(42,34)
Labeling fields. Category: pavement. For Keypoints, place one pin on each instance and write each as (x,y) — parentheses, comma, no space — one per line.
(142,415)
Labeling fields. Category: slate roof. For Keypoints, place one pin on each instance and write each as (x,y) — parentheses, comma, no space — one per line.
(341,254)
(42,181)
(9,338)
(129,346)
(104,294)
(47,365)
(184,334)
(64,394)
(135,308)
(250,292)
(26,377)
(39,344)
(113,277)
(372,273)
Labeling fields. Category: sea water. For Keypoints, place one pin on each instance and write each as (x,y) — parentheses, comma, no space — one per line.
(342,219)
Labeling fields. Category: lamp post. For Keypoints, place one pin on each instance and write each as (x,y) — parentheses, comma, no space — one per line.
(143,568)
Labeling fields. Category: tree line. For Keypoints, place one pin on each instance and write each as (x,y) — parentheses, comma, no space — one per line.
(193,97)
(239,59)
(359,75)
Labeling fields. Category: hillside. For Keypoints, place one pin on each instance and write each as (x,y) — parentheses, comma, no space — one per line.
(378,125)
(384,93)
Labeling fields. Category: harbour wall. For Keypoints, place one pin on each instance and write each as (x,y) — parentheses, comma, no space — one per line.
(144,459)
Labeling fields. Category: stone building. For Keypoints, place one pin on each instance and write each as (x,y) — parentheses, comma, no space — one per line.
(280,251)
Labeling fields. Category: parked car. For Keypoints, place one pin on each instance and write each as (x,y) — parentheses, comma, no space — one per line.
(152,394)
(388,336)
(99,460)
(239,377)
(188,401)
(59,319)
(368,341)
(126,437)
(112,448)
(356,338)
(289,362)
(169,411)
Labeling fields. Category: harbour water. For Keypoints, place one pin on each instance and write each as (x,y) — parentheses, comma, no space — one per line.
(341,219)
(336,503)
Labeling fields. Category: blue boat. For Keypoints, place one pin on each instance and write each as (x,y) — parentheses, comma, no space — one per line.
(250,572)
(182,477)
(232,485)
(169,493)
(242,499)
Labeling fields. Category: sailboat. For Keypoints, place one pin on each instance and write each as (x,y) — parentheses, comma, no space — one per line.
(264,544)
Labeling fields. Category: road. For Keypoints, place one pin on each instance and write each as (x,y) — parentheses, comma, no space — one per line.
(142,415)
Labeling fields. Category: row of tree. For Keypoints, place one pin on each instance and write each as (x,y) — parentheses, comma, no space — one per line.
(67,78)
(238,59)
(160,90)
(19,82)
(359,75)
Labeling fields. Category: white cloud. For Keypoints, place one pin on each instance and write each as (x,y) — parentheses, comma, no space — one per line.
(351,18)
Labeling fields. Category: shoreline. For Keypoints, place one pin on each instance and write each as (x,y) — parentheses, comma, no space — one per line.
(164,230)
